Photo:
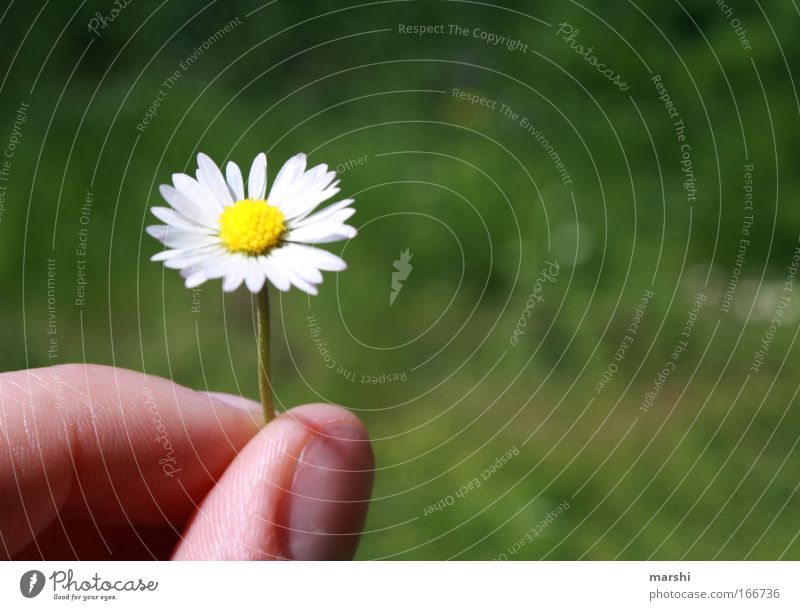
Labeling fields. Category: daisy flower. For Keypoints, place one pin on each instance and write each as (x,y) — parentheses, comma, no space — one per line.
(213,230)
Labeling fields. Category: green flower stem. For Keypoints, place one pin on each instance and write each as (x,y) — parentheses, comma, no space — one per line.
(264,387)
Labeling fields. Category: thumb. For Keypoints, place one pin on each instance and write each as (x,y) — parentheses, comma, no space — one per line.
(298,490)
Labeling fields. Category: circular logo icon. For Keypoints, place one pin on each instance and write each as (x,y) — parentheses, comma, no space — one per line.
(31,583)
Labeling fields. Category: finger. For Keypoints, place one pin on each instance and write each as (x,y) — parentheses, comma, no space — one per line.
(110,446)
(299,490)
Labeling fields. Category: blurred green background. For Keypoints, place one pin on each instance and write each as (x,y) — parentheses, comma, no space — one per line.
(708,470)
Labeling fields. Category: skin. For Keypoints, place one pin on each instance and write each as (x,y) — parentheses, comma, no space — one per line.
(105,463)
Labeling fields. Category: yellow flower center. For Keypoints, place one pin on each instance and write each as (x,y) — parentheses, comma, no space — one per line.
(251,225)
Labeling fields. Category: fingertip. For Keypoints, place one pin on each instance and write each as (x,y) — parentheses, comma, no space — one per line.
(319,416)
(299,490)
(323,514)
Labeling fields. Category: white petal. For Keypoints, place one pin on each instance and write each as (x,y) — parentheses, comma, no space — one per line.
(163,255)
(188,208)
(195,279)
(317,177)
(294,278)
(205,252)
(235,182)
(193,257)
(305,287)
(302,284)
(298,264)
(309,187)
(311,182)
(179,221)
(340,216)
(290,171)
(254,278)
(274,273)
(346,232)
(321,259)
(180,258)
(208,174)
(321,233)
(302,207)
(184,240)
(234,276)
(180,238)
(329,213)
(232,281)
(212,265)
(257,181)
(200,194)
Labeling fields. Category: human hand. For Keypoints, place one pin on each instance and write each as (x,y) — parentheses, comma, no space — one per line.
(105,463)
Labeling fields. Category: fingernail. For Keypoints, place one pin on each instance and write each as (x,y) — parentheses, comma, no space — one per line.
(245,404)
(324,513)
